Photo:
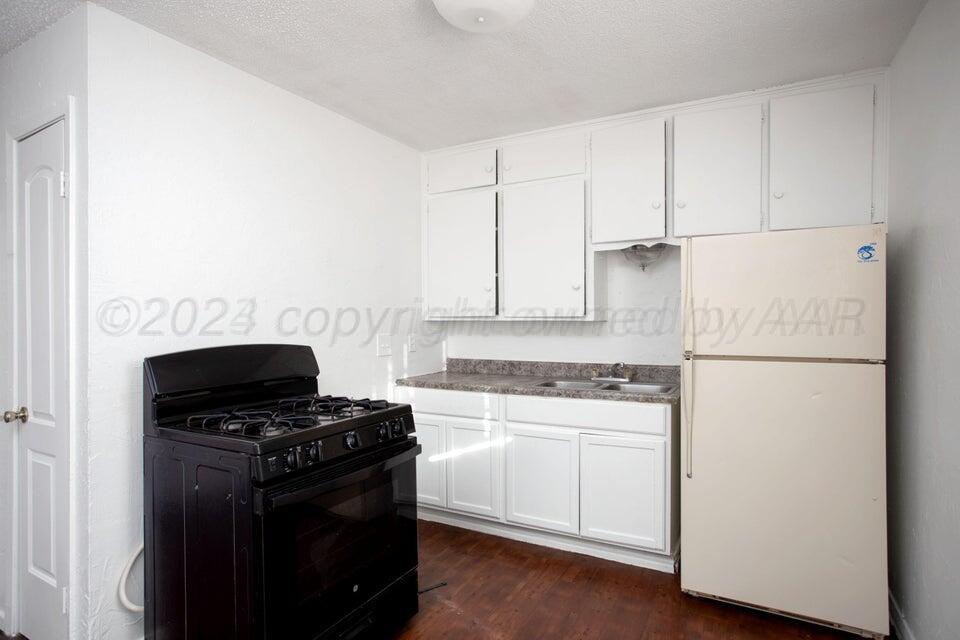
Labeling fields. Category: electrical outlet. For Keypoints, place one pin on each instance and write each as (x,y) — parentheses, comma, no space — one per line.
(412,342)
(384,345)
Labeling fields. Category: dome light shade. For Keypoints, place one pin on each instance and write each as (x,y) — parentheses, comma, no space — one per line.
(483,16)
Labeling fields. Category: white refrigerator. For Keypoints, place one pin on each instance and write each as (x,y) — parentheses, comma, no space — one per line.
(783,478)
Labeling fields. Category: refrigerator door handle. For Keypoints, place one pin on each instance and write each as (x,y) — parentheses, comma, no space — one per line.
(687,315)
(686,396)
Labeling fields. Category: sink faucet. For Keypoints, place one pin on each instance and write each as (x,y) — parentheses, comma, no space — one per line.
(616,371)
(617,374)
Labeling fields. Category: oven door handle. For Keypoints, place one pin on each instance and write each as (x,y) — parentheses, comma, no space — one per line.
(279,500)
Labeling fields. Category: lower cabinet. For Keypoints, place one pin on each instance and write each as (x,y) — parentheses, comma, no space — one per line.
(600,471)
(473,466)
(622,490)
(459,467)
(543,477)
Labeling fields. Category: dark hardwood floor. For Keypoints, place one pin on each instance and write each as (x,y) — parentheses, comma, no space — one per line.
(501,589)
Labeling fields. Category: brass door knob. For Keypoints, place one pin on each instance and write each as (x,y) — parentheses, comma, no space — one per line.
(22,415)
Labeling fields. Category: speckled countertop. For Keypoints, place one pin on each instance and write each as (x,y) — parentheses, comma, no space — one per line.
(523,377)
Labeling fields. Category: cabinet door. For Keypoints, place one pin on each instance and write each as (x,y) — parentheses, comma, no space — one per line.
(473,466)
(622,490)
(462,170)
(431,469)
(461,254)
(821,158)
(717,171)
(544,158)
(543,484)
(543,246)
(628,182)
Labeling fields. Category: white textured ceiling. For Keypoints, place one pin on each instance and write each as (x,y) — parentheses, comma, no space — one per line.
(396,66)
(22,19)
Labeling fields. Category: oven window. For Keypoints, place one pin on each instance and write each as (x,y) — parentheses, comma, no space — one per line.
(327,555)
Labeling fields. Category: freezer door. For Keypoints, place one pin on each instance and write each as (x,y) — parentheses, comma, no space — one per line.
(783,500)
(815,293)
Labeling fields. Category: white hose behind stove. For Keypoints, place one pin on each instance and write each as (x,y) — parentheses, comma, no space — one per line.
(122,587)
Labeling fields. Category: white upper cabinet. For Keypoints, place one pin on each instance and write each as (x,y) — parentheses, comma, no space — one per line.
(543,158)
(717,171)
(821,158)
(542,268)
(460,247)
(628,173)
(462,170)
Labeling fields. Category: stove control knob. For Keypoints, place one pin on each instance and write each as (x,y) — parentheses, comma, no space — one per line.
(351,440)
(397,427)
(313,452)
(291,459)
(383,431)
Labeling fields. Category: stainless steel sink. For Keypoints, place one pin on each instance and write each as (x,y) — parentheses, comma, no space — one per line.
(641,387)
(570,384)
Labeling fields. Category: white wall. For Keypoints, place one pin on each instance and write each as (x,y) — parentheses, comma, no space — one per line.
(36,79)
(205,183)
(643,325)
(924,365)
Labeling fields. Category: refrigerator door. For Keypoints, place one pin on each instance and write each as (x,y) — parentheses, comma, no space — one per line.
(783,500)
(815,293)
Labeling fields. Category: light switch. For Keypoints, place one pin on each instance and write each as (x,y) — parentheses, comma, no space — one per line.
(412,342)
(384,345)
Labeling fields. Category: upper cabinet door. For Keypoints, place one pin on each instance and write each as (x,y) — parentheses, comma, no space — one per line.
(544,158)
(462,170)
(461,251)
(717,171)
(542,272)
(821,158)
(628,182)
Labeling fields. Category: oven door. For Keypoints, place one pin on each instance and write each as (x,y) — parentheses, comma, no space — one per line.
(333,540)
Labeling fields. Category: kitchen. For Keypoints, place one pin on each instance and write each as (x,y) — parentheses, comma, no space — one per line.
(289,176)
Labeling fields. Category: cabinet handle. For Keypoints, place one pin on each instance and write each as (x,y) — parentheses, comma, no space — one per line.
(778,195)
(488,169)
(506,167)
(655,204)
(488,288)
(681,204)
(576,287)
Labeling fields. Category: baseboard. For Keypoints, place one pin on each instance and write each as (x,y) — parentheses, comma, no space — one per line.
(899,622)
(637,558)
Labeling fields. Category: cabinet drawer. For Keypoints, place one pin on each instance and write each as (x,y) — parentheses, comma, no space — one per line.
(465,404)
(608,415)
(462,170)
(544,158)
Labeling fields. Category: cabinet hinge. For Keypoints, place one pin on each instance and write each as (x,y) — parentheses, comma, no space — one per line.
(873,210)
(63,184)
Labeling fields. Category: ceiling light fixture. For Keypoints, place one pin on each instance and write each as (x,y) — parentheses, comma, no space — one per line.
(483,16)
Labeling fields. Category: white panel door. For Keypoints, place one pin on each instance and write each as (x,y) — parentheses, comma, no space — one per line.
(462,170)
(542,271)
(821,158)
(622,490)
(474,449)
(431,465)
(461,255)
(717,171)
(813,293)
(628,182)
(785,503)
(543,477)
(41,384)
(544,158)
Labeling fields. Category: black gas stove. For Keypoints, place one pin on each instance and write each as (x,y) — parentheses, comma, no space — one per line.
(271,510)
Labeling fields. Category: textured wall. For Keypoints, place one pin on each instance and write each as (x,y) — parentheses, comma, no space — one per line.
(207,183)
(924,441)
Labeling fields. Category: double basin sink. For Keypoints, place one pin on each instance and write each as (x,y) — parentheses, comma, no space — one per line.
(633,387)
